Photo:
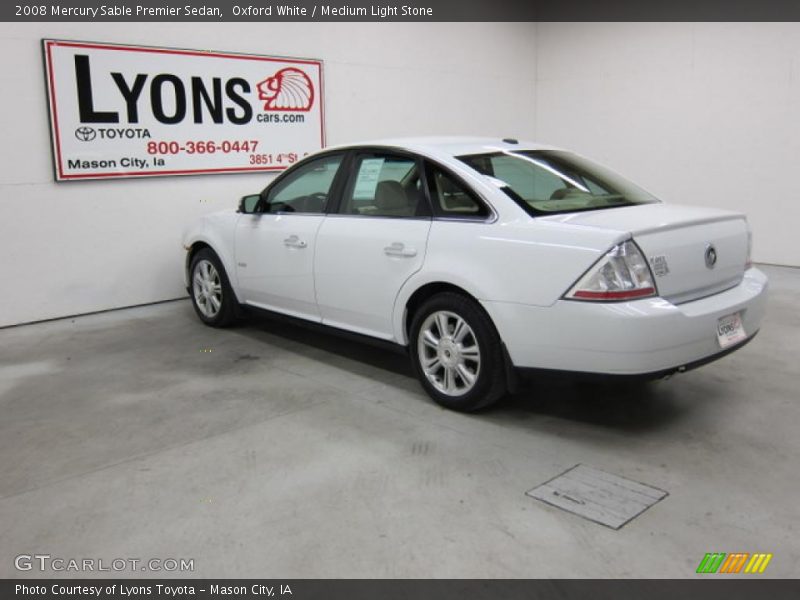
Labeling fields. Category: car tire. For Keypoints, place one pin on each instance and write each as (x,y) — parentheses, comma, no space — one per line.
(457,353)
(212,296)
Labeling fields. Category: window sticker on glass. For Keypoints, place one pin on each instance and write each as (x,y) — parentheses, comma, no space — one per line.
(368,176)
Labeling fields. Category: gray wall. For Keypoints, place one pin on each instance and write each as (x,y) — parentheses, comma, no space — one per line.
(698,113)
(77,247)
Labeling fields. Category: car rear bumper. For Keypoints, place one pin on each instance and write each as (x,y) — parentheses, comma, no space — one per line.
(649,337)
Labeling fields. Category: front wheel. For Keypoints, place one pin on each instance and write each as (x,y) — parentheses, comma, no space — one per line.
(456,353)
(212,296)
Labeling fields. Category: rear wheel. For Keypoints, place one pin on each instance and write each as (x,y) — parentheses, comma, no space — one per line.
(456,353)
(212,296)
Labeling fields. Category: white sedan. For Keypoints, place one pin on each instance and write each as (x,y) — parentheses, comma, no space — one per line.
(483,258)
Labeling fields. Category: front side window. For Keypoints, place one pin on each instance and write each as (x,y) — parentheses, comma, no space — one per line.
(549,181)
(305,190)
(384,185)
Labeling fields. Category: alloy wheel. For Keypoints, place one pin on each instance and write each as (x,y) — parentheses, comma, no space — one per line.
(448,353)
(207,289)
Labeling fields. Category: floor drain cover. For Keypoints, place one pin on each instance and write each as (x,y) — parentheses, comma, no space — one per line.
(598,496)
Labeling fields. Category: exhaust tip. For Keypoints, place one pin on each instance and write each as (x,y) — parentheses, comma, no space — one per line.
(681,369)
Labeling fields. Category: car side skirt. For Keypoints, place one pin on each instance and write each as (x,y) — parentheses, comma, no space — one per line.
(323,328)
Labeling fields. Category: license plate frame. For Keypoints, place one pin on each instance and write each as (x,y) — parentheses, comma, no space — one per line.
(730,330)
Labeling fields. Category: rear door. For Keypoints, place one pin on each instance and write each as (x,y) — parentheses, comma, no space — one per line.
(372,243)
(275,247)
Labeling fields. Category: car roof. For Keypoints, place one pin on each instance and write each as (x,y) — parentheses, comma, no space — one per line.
(450,146)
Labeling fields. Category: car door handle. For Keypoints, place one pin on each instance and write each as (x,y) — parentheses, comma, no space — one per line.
(294,242)
(399,249)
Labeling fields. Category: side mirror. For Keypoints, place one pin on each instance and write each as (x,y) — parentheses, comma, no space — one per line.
(248,204)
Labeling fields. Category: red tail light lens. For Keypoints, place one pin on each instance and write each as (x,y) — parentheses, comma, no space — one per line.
(622,274)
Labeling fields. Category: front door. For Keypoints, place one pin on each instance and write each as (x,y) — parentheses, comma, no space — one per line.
(275,246)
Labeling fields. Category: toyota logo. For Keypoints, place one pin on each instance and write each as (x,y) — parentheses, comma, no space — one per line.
(85,134)
(711,256)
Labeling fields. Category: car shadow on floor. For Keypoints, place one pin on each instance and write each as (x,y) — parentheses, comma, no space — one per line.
(625,406)
(620,405)
(316,343)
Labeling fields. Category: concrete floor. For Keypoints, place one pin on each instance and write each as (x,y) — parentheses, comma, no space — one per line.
(271,451)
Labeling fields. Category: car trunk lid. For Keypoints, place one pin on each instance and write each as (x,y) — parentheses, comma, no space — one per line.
(693,252)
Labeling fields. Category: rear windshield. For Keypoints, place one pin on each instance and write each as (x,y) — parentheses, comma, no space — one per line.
(552,181)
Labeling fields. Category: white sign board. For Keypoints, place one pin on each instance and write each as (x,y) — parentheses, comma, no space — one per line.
(130,111)
(368,176)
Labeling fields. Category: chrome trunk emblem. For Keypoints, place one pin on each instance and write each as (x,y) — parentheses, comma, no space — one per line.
(711,256)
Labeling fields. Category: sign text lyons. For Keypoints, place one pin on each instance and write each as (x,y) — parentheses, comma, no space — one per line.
(127,111)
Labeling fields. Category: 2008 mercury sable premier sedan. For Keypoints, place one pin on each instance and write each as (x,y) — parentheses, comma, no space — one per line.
(481,258)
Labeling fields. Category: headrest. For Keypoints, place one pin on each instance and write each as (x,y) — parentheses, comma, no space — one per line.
(390,195)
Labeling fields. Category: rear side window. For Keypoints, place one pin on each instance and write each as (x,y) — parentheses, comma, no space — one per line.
(384,185)
(451,198)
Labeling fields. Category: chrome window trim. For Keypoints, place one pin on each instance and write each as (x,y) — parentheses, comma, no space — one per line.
(286,214)
(357,216)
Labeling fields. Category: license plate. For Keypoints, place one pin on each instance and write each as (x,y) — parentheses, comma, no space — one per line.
(730,330)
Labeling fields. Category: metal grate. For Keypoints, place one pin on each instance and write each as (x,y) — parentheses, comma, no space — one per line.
(598,496)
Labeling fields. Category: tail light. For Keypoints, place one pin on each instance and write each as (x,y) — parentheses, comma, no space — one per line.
(622,274)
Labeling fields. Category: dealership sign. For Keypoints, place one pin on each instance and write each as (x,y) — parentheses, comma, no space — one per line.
(130,111)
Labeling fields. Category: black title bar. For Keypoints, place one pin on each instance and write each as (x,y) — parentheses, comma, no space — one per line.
(710,588)
(403,10)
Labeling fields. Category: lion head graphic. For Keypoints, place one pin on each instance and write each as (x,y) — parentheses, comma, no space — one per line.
(288,89)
